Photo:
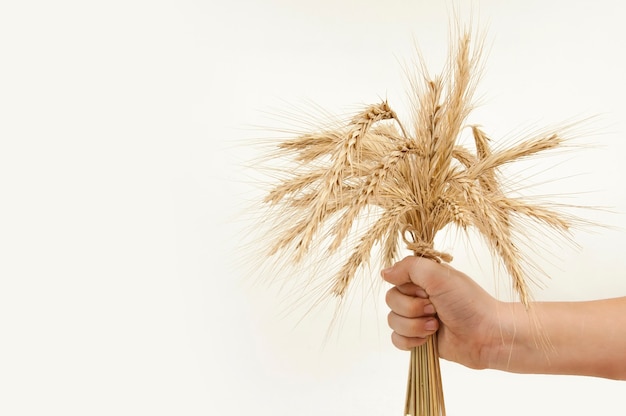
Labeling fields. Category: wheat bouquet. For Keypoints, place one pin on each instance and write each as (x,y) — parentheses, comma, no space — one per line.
(408,184)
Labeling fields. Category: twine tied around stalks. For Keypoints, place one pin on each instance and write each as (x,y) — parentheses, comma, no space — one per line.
(423,249)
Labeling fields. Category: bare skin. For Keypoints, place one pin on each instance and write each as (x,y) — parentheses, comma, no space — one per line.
(476,330)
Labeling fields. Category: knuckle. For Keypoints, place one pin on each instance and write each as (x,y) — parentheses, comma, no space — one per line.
(389,296)
(416,328)
(415,307)
(400,342)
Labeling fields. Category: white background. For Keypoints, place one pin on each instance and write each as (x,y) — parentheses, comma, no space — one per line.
(121,128)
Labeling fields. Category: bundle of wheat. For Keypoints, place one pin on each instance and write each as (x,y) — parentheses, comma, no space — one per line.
(410,184)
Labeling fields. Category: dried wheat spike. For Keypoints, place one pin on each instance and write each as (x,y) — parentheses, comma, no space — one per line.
(407,185)
(372,185)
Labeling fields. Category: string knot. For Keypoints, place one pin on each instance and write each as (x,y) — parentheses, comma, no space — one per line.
(423,249)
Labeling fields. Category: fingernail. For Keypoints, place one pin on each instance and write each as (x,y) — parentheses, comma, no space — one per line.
(429,309)
(385,271)
(420,293)
(430,325)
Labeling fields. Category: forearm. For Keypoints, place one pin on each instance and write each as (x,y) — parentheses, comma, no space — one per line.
(583,338)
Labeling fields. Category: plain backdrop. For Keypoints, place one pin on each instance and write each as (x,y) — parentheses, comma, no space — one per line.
(122,124)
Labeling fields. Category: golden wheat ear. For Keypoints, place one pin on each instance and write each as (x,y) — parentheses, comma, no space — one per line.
(357,192)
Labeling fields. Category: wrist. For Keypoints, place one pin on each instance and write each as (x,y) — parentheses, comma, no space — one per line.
(511,339)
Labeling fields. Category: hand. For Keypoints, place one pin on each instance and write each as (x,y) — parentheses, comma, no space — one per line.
(476,330)
(430,298)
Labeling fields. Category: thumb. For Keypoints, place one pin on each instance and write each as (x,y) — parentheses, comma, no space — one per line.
(420,271)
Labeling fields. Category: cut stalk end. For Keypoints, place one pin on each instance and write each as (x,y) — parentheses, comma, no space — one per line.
(424,396)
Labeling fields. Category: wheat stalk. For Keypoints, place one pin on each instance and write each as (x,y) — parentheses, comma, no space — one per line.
(411,186)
